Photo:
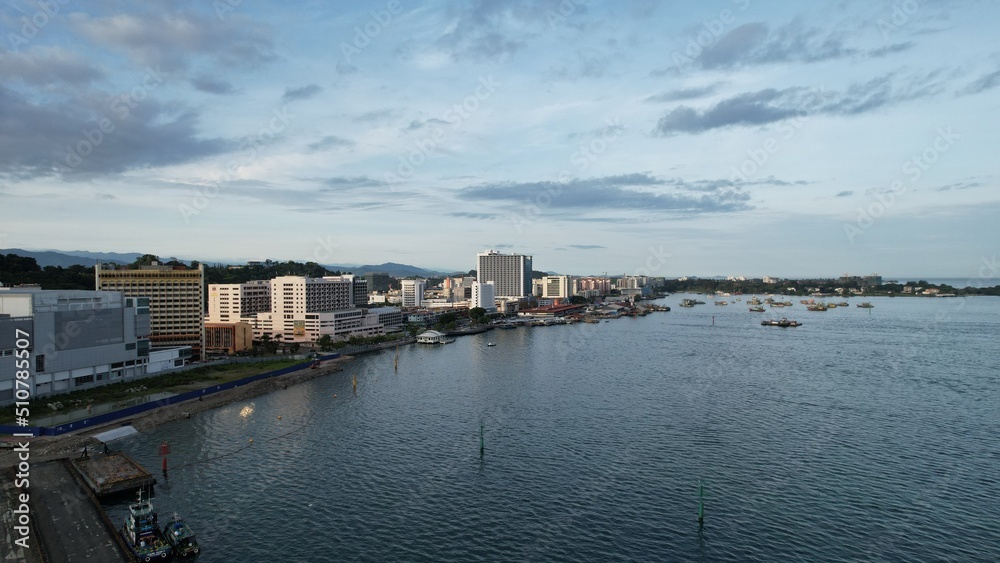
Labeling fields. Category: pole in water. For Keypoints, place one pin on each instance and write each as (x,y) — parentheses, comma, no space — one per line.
(354,379)
(701,503)
(713,320)
(482,447)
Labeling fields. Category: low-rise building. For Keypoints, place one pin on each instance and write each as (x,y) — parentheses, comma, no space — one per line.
(228,338)
(76,340)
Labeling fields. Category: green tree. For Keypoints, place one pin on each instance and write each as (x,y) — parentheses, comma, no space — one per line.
(325,343)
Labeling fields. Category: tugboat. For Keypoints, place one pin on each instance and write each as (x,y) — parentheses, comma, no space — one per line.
(142,534)
(181,537)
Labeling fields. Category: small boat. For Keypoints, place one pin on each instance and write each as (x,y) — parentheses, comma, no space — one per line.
(782,323)
(866,305)
(817,307)
(491,343)
(142,534)
(757,309)
(181,537)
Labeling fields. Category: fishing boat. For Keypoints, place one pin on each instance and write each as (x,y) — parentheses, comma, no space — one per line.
(181,537)
(757,309)
(866,305)
(491,343)
(141,533)
(782,323)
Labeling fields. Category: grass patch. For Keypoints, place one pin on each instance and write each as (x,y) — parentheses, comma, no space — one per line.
(177,382)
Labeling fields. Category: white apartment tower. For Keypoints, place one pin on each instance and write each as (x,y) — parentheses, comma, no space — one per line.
(484,295)
(510,273)
(556,287)
(233,302)
(413,292)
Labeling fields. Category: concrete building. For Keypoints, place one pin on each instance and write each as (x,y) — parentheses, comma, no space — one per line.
(389,317)
(228,338)
(510,273)
(557,287)
(413,292)
(229,303)
(77,340)
(379,281)
(591,286)
(484,295)
(176,300)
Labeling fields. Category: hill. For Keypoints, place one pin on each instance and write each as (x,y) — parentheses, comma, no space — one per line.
(67,258)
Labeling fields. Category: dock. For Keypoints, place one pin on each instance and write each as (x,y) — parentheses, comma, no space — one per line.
(112,473)
(68,519)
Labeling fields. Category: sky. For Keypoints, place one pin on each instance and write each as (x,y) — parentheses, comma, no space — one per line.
(736,137)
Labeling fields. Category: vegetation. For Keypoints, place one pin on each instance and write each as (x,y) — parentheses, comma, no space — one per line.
(178,382)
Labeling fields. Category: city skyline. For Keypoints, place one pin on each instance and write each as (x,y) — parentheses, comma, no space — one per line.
(741,137)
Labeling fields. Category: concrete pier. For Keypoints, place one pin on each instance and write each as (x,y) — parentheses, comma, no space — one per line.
(68,521)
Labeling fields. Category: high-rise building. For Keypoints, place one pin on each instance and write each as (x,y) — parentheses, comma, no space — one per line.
(79,339)
(556,287)
(510,273)
(176,300)
(295,308)
(484,295)
(379,281)
(233,302)
(413,292)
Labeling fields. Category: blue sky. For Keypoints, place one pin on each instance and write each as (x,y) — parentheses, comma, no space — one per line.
(738,137)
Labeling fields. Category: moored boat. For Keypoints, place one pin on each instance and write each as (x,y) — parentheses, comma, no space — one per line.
(757,309)
(866,305)
(181,537)
(142,534)
(782,323)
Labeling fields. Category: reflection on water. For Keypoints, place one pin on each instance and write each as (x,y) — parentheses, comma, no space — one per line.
(860,435)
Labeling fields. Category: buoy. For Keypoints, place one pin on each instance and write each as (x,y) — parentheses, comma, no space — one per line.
(279,417)
(251,440)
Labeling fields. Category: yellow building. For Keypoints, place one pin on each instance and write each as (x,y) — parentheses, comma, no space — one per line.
(176,300)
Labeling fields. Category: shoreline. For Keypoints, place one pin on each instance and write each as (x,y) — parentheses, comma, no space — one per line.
(46,448)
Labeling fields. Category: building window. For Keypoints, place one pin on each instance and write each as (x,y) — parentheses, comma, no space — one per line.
(40,363)
(78,381)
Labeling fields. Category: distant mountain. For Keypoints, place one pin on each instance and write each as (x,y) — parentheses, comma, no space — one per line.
(393,269)
(67,258)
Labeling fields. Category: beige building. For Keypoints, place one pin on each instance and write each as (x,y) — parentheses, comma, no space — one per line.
(176,300)
(228,338)
(233,302)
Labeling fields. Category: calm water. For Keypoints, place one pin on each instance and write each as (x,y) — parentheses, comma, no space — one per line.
(862,435)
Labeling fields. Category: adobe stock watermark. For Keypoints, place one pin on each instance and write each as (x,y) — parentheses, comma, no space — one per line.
(711,31)
(759,156)
(32,25)
(901,14)
(455,116)
(565,9)
(913,168)
(252,146)
(121,108)
(585,154)
(324,250)
(365,34)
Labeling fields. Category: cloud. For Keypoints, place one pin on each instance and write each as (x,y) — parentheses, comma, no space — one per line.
(983,83)
(495,30)
(211,85)
(844,193)
(65,137)
(470,215)
(958,186)
(681,94)
(302,93)
(420,124)
(756,43)
(163,36)
(891,49)
(586,246)
(330,142)
(610,193)
(770,105)
(350,182)
(47,66)
(376,115)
